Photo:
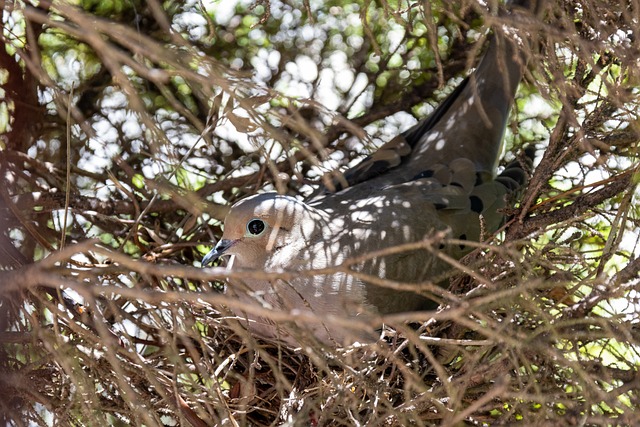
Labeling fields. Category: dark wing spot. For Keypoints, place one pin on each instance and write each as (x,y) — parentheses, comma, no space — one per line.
(337,186)
(476,204)
(509,183)
(424,174)
(439,206)
(463,237)
(366,170)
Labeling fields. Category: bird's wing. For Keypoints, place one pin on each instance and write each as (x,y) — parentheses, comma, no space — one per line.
(444,198)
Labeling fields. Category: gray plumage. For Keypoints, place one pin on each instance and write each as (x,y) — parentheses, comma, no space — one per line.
(438,175)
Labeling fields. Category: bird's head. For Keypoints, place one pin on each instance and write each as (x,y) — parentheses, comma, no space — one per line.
(259,225)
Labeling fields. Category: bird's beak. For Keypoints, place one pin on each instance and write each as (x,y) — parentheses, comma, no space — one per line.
(217,251)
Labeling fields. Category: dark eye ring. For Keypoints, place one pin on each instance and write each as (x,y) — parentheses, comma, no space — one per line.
(255,227)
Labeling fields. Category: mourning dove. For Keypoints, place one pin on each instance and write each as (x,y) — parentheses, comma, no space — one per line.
(437,176)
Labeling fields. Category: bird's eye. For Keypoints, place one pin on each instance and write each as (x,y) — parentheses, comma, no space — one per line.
(255,227)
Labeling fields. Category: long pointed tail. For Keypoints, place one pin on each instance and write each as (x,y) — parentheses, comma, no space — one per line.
(469,123)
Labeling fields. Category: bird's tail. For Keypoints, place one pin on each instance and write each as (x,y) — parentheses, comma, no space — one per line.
(471,122)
